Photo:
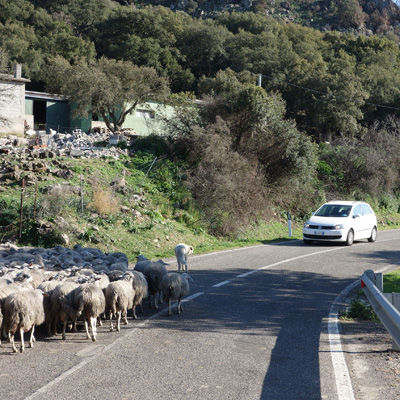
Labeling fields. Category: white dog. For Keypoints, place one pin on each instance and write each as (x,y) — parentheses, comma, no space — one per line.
(182,251)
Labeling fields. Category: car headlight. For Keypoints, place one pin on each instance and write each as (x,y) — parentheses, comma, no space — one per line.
(306,225)
(339,226)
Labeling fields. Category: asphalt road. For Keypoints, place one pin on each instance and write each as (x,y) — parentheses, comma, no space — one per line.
(257,325)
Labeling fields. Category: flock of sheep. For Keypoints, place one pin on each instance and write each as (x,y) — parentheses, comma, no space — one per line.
(60,285)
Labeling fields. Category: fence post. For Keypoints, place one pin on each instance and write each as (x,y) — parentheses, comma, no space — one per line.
(22,205)
(81,195)
(34,207)
(289,218)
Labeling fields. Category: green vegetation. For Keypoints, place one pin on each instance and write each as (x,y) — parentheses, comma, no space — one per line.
(391,282)
(360,309)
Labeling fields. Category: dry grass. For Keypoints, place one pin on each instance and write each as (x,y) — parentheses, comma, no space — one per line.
(105,202)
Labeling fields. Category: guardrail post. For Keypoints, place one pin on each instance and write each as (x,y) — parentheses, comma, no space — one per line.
(379,281)
(371,275)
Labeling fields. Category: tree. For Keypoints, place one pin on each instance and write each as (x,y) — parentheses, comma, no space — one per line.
(351,14)
(106,87)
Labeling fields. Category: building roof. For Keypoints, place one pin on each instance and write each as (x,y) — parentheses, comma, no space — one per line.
(44,96)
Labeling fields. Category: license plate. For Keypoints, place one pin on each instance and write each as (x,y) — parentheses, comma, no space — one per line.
(319,233)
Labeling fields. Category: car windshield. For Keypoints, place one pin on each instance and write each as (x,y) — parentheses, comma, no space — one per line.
(333,210)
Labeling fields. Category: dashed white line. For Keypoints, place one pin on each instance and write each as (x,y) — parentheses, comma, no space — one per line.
(221,284)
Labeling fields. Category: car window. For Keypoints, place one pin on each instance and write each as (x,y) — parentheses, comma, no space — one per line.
(333,210)
(366,210)
(358,210)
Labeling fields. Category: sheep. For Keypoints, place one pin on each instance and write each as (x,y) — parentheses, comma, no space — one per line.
(90,302)
(119,298)
(23,311)
(143,263)
(182,251)
(114,275)
(154,274)
(62,306)
(5,291)
(48,287)
(140,287)
(175,285)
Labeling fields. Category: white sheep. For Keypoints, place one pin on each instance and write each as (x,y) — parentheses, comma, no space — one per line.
(140,286)
(90,303)
(119,298)
(182,251)
(22,312)
(175,285)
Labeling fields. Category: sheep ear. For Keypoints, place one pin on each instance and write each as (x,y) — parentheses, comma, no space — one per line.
(190,277)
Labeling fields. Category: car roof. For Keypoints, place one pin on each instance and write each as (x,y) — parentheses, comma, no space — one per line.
(345,202)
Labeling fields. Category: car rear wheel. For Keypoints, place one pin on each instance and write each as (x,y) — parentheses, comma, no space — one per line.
(374,234)
(350,238)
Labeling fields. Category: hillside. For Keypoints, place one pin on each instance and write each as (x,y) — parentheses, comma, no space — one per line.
(110,199)
(365,16)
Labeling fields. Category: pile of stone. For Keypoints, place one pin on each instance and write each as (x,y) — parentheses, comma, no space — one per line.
(78,144)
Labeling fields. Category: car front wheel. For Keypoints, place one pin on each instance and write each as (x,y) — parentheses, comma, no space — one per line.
(350,238)
(374,234)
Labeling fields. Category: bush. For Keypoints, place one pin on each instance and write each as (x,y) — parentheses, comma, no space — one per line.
(358,309)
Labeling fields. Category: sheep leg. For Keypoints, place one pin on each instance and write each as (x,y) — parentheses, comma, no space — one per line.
(125,317)
(160,298)
(64,329)
(111,322)
(11,336)
(93,322)
(169,307)
(21,332)
(180,308)
(86,328)
(32,338)
(119,313)
(134,313)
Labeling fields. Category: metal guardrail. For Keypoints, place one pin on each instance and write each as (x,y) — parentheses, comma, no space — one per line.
(387,313)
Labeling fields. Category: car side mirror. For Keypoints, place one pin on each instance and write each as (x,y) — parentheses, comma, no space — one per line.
(356,216)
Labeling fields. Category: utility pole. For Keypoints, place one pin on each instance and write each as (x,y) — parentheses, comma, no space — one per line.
(259,80)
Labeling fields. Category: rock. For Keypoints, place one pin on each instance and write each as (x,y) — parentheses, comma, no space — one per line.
(64,239)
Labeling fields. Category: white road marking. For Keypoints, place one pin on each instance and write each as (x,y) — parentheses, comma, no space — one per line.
(221,284)
(343,382)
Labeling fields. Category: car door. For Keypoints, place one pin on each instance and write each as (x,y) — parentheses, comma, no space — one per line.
(359,223)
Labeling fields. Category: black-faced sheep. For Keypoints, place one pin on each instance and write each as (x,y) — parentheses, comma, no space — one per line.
(182,251)
(22,312)
(175,286)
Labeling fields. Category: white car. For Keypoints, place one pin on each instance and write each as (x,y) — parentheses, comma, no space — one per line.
(341,221)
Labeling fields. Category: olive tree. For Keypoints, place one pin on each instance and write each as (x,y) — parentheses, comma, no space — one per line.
(106,87)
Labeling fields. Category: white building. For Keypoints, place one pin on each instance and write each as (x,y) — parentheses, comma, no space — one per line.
(12,102)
